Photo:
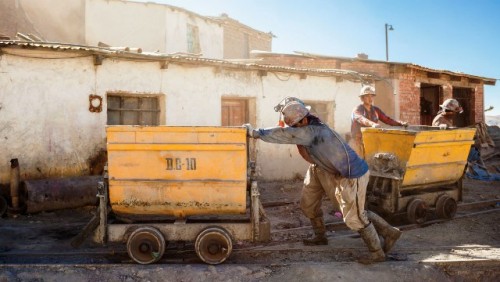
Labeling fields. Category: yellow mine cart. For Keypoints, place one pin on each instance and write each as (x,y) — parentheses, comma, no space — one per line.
(169,183)
(178,171)
(416,169)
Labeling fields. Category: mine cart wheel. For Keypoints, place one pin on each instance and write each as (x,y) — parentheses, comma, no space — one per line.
(416,211)
(213,245)
(446,207)
(146,245)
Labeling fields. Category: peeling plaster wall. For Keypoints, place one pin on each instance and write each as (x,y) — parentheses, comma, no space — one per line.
(210,34)
(194,94)
(44,116)
(45,120)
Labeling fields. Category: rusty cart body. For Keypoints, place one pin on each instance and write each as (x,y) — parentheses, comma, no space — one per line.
(415,170)
(168,183)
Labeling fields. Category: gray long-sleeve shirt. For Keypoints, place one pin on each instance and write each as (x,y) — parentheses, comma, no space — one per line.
(325,147)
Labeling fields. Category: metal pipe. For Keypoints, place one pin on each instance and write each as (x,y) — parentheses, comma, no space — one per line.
(14,183)
(388,27)
(63,193)
(102,194)
(255,211)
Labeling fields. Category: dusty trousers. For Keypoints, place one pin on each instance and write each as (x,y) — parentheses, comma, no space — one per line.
(317,184)
(357,145)
(346,194)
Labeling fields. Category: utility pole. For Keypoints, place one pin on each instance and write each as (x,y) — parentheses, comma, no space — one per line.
(387,28)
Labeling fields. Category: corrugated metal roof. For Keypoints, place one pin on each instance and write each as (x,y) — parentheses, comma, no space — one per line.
(148,56)
(486,80)
(46,45)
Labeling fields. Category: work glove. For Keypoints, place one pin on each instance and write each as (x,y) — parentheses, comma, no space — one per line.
(250,131)
(376,125)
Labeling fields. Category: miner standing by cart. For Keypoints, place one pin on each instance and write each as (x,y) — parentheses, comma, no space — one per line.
(444,118)
(367,115)
(335,170)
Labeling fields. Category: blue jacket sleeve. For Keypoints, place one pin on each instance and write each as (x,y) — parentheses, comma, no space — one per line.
(287,135)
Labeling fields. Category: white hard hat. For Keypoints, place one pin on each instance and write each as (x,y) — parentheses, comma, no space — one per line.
(367,90)
(452,105)
(293,112)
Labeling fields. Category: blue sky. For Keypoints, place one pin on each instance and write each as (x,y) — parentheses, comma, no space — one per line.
(454,35)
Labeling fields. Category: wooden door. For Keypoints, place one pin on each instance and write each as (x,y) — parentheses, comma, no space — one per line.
(234,112)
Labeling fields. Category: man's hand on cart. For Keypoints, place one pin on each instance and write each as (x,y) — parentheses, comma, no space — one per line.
(251,132)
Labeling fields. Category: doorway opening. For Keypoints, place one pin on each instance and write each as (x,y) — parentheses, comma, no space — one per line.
(430,97)
(466,98)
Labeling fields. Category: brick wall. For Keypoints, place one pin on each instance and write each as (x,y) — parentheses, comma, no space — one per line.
(408,82)
(447,91)
(381,70)
(479,103)
(409,97)
(239,40)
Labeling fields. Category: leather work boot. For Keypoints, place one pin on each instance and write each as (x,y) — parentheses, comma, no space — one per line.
(319,230)
(372,241)
(390,233)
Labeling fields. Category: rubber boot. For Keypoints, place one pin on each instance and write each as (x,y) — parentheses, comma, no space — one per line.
(319,230)
(372,241)
(390,233)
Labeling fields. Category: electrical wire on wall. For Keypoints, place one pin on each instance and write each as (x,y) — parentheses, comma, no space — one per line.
(282,79)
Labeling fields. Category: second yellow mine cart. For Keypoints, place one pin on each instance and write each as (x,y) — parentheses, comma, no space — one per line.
(415,169)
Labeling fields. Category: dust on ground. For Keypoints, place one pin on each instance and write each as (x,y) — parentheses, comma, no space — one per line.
(465,248)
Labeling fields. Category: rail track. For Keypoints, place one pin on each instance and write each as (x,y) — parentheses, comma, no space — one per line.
(184,253)
(463,210)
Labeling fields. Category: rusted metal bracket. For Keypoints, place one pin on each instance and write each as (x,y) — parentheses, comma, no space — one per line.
(95,103)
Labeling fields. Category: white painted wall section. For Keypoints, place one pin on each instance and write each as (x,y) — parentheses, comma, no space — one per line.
(44,116)
(210,34)
(125,24)
(45,120)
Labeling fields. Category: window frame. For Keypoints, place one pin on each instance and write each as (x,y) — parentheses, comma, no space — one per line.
(329,106)
(122,96)
(193,39)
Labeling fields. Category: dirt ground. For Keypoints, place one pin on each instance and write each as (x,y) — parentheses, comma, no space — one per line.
(463,249)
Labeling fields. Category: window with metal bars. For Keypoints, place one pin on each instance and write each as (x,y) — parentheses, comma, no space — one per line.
(133,110)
